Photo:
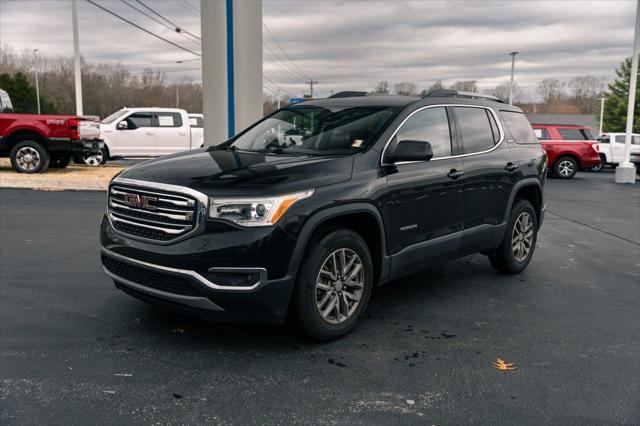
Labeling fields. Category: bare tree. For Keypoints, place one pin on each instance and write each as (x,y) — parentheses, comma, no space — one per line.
(405,89)
(585,91)
(435,86)
(551,90)
(382,87)
(501,91)
(465,86)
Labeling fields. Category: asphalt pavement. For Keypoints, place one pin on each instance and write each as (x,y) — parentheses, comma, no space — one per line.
(75,350)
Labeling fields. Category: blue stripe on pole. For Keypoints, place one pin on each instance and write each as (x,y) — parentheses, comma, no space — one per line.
(230,72)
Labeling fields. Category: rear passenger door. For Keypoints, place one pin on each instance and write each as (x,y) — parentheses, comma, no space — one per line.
(490,174)
(173,135)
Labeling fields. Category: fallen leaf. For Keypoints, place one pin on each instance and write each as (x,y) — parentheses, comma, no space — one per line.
(501,365)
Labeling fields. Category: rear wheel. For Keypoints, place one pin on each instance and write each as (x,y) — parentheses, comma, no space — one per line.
(565,167)
(29,157)
(94,159)
(333,286)
(519,242)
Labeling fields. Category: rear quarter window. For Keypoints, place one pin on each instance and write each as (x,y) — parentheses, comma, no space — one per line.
(521,129)
(575,134)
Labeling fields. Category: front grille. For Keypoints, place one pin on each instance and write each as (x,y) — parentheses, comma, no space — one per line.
(148,278)
(151,214)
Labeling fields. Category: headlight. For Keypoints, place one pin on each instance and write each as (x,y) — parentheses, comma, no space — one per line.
(254,211)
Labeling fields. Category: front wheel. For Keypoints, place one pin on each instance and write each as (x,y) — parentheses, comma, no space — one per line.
(600,166)
(565,168)
(333,286)
(519,242)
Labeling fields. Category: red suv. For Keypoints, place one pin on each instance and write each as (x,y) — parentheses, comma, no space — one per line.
(568,147)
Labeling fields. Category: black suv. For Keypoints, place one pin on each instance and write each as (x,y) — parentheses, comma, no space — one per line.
(303,213)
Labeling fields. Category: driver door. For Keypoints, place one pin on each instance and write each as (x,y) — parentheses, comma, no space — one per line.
(423,210)
(139,138)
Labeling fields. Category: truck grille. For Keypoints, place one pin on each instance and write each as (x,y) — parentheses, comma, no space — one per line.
(151,214)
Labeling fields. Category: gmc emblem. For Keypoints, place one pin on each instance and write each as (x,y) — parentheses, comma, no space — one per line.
(140,201)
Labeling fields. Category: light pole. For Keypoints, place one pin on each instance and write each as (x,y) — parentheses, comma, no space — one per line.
(77,71)
(601,114)
(311,83)
(513,67)
(35,66)
(626,172)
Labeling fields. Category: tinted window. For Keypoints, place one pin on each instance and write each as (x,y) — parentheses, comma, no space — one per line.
(316,130)
(635,139)
(169,119)
(195,121)
(542,134)
(140,119)
(475,129)
(519,126)
(429,125)
(572,134)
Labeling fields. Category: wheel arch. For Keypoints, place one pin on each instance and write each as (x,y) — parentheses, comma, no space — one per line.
(19,135)
(530,190)
(362,218)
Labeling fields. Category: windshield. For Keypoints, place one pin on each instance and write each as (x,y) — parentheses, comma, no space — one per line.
(113,117)
(315,130)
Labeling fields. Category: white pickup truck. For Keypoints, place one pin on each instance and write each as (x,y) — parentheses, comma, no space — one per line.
(611,147)
(147,132)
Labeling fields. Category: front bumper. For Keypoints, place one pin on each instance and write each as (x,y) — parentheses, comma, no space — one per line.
(188,275)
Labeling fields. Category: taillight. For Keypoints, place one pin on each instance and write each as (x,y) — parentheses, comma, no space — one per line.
(596,148)
(73,129)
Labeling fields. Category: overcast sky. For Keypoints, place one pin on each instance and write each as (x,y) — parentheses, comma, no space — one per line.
(354,44)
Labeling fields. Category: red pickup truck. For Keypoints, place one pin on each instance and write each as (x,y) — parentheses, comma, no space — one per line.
(34,142)
(568,147)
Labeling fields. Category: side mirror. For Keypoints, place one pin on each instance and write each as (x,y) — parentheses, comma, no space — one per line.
(122,125)
(410,150)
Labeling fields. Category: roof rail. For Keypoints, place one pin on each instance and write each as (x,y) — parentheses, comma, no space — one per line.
(347,94)
(445,93)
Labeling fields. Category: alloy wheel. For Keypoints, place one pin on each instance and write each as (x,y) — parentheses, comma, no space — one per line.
(339,286)
(522,236)
(566,168)
(28,158)
(94,159)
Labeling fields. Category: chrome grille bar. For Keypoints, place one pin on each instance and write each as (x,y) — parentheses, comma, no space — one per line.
(150,214)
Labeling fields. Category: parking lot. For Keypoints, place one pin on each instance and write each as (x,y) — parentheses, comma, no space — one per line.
(75,350)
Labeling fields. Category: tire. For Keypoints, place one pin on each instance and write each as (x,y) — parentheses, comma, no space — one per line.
(603,161)
(60,162)
(316,292)
(29,157)
(508,259)
(565,167)
(94,160)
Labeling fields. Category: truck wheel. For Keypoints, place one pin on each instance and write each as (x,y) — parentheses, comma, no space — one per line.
(333,286)
(565,168)
(59,162)
(519,242)
(599,167)
(95,159)
(29,157)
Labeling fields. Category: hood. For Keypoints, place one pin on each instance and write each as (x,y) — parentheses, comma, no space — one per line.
(223,172)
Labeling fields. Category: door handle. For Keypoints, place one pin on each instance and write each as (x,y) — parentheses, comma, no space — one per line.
(510,167)
(181,134)
(454,174)
(150,133)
